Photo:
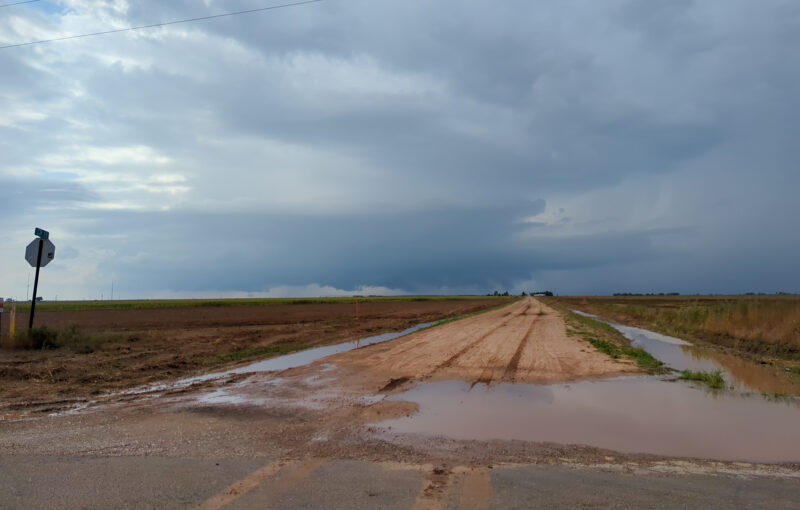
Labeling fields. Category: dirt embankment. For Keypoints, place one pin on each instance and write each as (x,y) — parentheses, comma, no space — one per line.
(523,342)
(165,344)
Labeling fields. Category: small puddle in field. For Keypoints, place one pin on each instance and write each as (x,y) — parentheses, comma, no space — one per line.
(630,414)
(739,374)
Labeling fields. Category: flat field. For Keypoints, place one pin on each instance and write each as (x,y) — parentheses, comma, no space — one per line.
(755,326)
(108,346)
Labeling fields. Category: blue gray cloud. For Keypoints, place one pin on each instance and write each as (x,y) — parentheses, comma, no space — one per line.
(629,145)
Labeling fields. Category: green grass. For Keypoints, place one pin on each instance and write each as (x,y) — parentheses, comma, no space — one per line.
(615,345)
(266,351)
(217,303)
(713,379)
(593,324)
(642,358)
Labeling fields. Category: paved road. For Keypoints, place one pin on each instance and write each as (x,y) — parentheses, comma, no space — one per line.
(155,482)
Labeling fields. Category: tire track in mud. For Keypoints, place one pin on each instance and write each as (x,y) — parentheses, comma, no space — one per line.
(452,359)
(492,365)
(510,372)
(486,373)
(413,345)
(545,359)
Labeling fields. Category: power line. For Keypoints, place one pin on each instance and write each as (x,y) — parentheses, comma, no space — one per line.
(19,3)
(154,25)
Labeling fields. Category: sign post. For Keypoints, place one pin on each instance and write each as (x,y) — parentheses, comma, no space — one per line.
(34,255)
(12,322)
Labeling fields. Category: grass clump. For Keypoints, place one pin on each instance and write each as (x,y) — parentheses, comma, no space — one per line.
(713,379)
(605,347)
(36,339)
(642,358)
(72,337)
(611,341)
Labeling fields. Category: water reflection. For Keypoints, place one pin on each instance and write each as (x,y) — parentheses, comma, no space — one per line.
(299,359)
(741,374)
(630,414)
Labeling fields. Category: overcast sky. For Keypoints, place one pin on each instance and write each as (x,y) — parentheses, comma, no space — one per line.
(385,146)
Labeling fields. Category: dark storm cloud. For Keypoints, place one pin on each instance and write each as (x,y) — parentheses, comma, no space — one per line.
(585,146)
(27,194)
(202,252)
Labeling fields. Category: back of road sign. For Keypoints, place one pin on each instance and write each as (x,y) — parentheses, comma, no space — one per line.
(48,252)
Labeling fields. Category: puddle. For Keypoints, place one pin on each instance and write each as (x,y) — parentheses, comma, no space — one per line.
(305,357)
(221,396)
(740,374)
(630,414)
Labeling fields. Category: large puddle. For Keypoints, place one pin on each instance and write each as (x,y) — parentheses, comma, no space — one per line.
(630,414)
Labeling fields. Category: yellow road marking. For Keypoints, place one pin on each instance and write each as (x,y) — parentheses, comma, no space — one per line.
(476,490)
(244,486)
(433,490)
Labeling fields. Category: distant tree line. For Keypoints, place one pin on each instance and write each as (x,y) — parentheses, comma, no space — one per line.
(647,294)
(678,294)
(535,293)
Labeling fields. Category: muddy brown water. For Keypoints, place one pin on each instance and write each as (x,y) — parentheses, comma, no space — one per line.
(628,414)
(639,414)
(739,374)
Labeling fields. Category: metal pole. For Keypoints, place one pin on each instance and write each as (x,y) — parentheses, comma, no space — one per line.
(35,284)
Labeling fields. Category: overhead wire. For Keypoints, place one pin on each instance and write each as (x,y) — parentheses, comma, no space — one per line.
(19,3)
(162,24)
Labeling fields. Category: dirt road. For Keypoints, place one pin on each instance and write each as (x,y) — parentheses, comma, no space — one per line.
(523,342)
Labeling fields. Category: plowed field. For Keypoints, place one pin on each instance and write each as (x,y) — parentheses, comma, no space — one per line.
(158,345)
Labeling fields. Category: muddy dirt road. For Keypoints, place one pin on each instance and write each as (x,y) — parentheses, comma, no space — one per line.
(312,437)
(524,342)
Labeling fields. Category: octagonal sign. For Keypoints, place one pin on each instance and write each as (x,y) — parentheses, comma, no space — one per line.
(48,252)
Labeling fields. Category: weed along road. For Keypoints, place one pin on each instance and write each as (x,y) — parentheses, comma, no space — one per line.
(518,406)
